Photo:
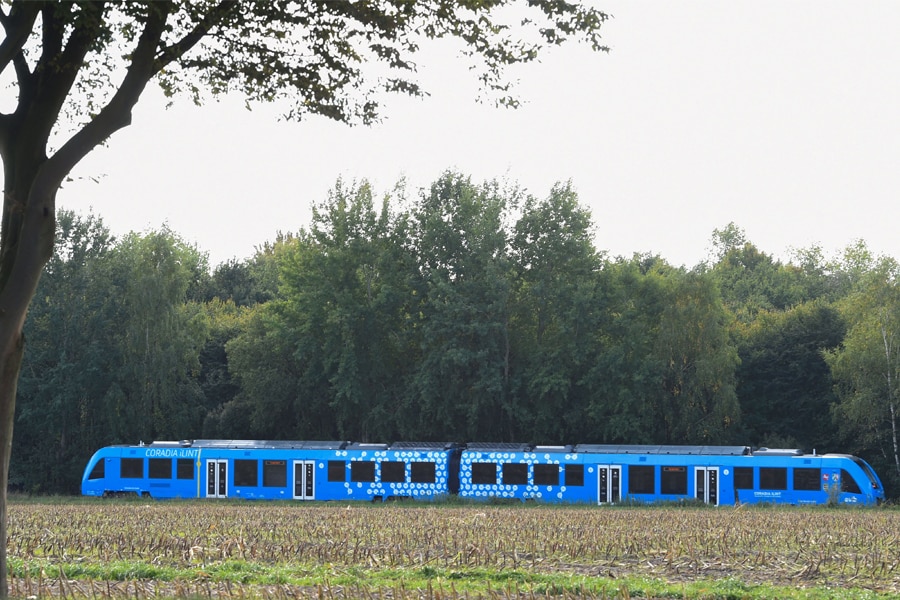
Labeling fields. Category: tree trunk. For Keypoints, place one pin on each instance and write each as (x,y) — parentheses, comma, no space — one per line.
(31,178)
(888,339)
(12,342)
(10,362)
(894,434)
(12,349)
(31,181)
(28,234)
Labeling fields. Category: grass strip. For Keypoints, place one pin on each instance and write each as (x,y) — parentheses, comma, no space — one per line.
(440,583)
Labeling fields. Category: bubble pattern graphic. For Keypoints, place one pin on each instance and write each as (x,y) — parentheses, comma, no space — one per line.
(501,490)
(369,490)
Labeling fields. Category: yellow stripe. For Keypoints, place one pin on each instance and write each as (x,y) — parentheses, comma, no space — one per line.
(199,472)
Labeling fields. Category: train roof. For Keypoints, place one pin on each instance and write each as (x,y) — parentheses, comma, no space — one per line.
(514,447)
(259,444)
(498,447)
(567,448)
(778,452)
(424,445)
(366,446)
(653,449)
(302,445)
(649,449)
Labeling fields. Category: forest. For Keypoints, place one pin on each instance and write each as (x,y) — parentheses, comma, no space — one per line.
(461,312)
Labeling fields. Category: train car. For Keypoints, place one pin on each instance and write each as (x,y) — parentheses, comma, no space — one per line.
(584,473)
(609,474)
(590,473)
(523,472)
(659,473)
(273,470)
(790,476)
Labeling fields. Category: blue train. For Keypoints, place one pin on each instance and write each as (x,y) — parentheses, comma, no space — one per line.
(584,473)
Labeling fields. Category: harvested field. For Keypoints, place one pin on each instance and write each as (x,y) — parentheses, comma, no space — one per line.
(148,549)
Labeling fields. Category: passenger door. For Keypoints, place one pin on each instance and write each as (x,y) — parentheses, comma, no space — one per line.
(609,484)
(216,478)
(304,480)
(706,485)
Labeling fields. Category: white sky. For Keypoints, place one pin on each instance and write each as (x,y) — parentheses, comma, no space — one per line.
(783,117)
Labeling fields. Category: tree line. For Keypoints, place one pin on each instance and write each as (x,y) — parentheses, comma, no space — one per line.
(461,312)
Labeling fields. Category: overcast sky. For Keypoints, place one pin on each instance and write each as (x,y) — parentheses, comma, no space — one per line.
(782,117)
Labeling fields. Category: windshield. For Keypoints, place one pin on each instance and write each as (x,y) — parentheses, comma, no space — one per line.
(873,479)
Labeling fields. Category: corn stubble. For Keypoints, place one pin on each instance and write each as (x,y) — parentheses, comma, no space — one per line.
(313,546)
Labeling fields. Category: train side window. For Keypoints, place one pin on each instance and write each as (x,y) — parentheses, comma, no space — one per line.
(546,474)
(185,468)
(848,484)
(574,475)
(362,470)
(807,479)
(393,471)
(422,472)
(673,480)
(99,470)
(274,473)
(246,473)
(160,468)
(337,470)
(641,479)
(743,478)
(484,473)
(515,474)
(132,468)
(773,478)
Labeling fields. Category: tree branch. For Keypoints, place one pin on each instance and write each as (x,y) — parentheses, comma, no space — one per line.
(203,27)
(17,25)
(43,92)
(117,112)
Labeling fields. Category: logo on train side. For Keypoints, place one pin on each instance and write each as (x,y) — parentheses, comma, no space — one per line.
(171,453)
